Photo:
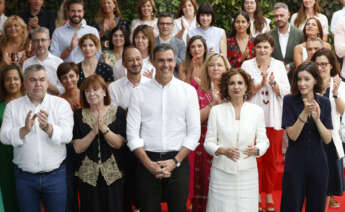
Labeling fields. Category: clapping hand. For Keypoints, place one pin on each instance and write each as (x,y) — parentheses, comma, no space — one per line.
(336,83)
(29,121)
(316,110)
(148,73)
(43,119)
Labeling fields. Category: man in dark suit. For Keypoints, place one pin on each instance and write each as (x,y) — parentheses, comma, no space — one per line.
(286,36)
(165,27)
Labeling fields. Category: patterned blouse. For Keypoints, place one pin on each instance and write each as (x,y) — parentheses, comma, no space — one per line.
(234,51)
(102,69)
(99,158)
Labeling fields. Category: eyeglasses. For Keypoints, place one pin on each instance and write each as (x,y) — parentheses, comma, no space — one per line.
(322,65)
(165,23)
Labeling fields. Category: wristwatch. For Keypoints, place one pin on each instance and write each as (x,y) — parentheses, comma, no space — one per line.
(176,162)
(257,152)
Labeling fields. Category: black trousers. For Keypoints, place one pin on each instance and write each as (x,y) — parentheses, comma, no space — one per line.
(151,191)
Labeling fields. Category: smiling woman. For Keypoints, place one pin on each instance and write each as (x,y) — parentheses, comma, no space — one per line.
(14,43)
(11,87)
(271,84)
(89,45)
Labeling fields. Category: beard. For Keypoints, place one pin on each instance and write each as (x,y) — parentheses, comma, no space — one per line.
(73,19)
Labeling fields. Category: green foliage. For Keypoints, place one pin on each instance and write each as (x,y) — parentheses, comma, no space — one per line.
(225,9)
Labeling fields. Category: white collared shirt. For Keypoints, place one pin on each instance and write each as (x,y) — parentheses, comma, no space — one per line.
(163,118)
(37,152)
(62,38)
(51,63)
(283,41)
(120,91)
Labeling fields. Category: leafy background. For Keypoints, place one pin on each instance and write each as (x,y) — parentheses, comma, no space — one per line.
(225,9)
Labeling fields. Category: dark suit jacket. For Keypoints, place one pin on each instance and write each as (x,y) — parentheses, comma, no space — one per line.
(295,38)
(178,46)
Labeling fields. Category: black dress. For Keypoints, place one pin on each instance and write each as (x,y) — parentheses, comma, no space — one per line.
(104,70)
(306,165)
(99,169)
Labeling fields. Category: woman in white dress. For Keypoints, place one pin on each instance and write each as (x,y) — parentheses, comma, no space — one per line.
(308,9)
(271,84)
(185,19)
(234,174)
(258,22)
(147,11)
(215,37)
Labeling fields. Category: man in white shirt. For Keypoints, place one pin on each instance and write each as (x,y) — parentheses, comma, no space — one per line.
(38,126)
(40,43)
(120,90)
(163,127)
(65,39)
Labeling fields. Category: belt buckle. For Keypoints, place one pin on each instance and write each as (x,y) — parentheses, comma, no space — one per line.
(162,154)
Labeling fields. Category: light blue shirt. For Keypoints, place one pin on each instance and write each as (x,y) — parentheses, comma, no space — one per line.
(336,17)
(62,38)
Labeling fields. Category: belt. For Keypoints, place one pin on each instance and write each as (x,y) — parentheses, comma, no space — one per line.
(42,173)
(158,156)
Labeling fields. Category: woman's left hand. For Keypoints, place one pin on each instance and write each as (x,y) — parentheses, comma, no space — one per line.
(316,111)
(250,151)
(336,81)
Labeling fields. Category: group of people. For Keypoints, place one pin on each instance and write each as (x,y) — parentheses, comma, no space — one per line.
(110,116)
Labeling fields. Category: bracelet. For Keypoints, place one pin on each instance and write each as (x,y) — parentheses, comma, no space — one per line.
(299,118)
(335,96)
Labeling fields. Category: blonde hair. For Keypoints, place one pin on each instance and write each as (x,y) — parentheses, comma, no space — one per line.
(4,38)
(205,78)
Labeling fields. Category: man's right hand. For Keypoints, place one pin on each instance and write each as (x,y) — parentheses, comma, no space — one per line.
(29,123)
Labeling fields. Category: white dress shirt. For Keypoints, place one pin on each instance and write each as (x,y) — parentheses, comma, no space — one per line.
(274,103)
(163,119)
(283,41)
(336,17)
(51,63)
(37,152)
(120,91)
(62,38)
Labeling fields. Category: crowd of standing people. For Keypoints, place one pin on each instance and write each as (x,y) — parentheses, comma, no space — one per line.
(119,117)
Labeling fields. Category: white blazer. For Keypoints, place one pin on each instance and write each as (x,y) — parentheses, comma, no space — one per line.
(220,134)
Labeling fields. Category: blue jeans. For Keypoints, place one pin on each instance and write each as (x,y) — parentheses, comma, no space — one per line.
(50,189)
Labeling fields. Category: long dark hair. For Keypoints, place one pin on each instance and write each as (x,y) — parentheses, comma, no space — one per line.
(246,16)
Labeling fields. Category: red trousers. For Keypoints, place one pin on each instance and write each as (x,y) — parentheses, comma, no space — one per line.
(267,164)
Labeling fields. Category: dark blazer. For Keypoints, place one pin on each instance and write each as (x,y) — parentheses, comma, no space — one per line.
(178,46)
(295,38)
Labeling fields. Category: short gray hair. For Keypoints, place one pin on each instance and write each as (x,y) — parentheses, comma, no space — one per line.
(279,5)
(33,68)
(40,30)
